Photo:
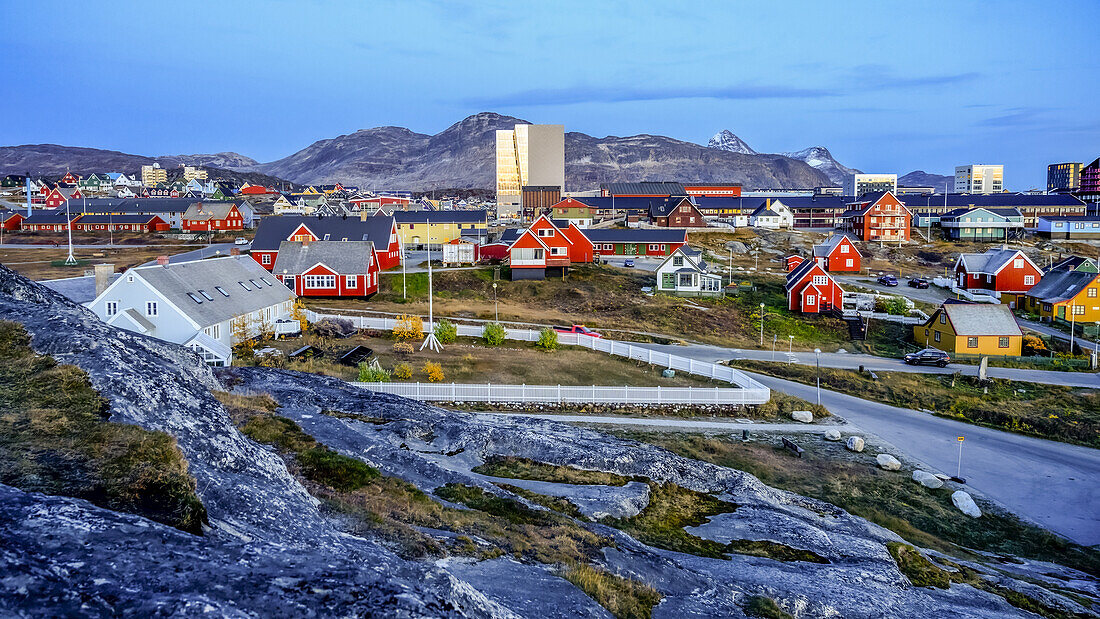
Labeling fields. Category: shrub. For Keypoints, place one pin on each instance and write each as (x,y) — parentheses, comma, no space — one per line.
(548,339)
(403,348)
(334,327)
(1034,345)
(446,332)
(433,371)
(403,371)
(894,305)
(335,470)
(298,312)
(367,374)
(494,334)
(408,327)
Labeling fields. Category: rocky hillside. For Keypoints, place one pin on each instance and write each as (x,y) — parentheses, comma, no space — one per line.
(726,140)
(329,499)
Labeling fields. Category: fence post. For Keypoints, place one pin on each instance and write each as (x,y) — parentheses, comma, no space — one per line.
(417,390)
(649,359)
(523,392)
(593,394)
(716,395)
(489,393)
(454,392)
(559,394)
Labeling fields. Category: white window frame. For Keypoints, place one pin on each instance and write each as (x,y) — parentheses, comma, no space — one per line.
(320,281)
(351,281)
(821,280)
(111,308)
(811,300)
(1029,280)
(265,258)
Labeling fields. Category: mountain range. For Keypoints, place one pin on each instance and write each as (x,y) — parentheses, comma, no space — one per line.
(463,156)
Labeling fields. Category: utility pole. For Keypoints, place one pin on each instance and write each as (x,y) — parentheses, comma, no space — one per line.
(761,325)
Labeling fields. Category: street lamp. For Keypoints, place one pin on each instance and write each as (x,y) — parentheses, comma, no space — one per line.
(496,307)
(761,325)
(817,351)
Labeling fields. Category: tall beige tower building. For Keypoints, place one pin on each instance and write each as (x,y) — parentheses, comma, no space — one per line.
(979,178)
(529,155)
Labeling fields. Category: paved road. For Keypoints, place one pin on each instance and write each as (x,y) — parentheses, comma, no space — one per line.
(931,294)
(1061,335)
(712,354)
(1054,484)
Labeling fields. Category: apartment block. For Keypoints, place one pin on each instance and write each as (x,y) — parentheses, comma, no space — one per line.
(153,174)
(528,156)
(858,184)
(194,173)
(979,178)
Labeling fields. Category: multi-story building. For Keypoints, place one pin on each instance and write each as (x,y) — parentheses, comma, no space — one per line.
(979,178)
(529,155)
(193,172)
(1031,206)
(153,174)
(878,217)
(858,184)
(1090,184)
(537,200)
(1063,177)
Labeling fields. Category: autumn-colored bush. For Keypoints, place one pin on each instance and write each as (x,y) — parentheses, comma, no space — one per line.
(408,327)
(433,371)
(403,371)
(402,348)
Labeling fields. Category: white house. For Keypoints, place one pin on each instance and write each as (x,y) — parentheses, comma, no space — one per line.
(197,303)
(684,273)
(772,215)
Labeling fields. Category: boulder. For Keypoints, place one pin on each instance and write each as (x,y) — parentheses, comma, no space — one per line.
(803,416)
(888,462)
(966,504)
(928,480)
(855,443)
(736,247)
(832,434)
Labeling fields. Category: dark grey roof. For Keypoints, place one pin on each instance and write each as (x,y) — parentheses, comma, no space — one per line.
(664,207)
(635,235)
(344,257)
(1059,286)
(826,248)
(115,219)
(49,217)
(1088,218)
(510,235)
(988,200)
(205,211)
(272,231)
(989,262)
(137,205)
(646,188)
(981,319)
(1002,212)
(175,281)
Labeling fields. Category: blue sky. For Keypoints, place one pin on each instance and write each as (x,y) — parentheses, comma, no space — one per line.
(886,86)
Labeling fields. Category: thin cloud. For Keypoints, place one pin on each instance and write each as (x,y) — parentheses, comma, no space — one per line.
(881,77)
(580,94)
(1014,118)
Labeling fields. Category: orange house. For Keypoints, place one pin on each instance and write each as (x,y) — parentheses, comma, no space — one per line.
(878,217)
(544,246)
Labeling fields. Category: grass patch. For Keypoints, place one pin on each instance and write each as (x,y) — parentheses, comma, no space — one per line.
(1055,412)
(781,405)
(924,517)
(378,421)
(624,598)
(558,504)
(399,512)
(765,607)
(671,508)
(773,550)
(512,467)
(919,570)
(55,438)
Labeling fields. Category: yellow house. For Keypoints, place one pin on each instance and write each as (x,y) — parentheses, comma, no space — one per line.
(1072,296)
(418,229)
(972,329)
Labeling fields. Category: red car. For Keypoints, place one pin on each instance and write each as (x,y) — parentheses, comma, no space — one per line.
(578,329)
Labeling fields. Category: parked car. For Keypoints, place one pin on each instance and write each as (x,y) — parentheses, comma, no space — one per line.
(918,282)
(578,329)
(888,280)
(629,262)
(928,356)
(240,240)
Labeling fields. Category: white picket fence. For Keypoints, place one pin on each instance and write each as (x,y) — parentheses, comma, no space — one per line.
(905,320)
(566,394)
(753,392)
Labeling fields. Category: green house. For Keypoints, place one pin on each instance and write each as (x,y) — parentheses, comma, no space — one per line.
(982,224)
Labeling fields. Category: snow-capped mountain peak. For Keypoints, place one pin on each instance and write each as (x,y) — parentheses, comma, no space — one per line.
(820,158)
(726,140)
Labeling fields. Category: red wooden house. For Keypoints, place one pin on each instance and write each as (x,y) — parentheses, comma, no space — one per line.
(255,190)
(548,245)
(58,195)
(878,216)
(70,178)
(328,268)
(811,290)
(212,216)
(48,221)
(676,212)
(1000,270)
(121,223)
(10,220)
(272,231)
(793,261)
(838,254)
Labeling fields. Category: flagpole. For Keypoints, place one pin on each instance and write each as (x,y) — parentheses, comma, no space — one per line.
(70,260)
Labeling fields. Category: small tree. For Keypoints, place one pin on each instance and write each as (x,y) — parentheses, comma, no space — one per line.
(446,332)
(403,370)
(548,339)
(368,374)
(494,334)
(433,371)
(408,327)
(243,346)
(298,312)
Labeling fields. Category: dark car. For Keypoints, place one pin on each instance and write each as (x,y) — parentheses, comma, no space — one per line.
(918,282)
(888,280)
(928,356)
(629,262)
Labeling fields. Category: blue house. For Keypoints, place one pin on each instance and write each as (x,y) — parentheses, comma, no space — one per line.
(982,224)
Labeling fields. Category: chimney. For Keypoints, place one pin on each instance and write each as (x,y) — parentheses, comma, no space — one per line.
(234,251)
(768,203)
(162,261)
(305,241)
(103,273)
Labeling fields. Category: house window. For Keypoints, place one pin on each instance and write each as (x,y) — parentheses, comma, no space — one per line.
(608,247)
(1018,263)
(811,299)
(546,232)
(678,261)
(668,280)
(1078,310)
(848,262)
(112,308)
(320,281)
(654,247)
(150,308)
(687,279)
(971,342)
(821,280)
(265,259)
(844,249)
(1002,342)
(289,281)
(1092,293)
(937,336)
(1029,280)
(351,281)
